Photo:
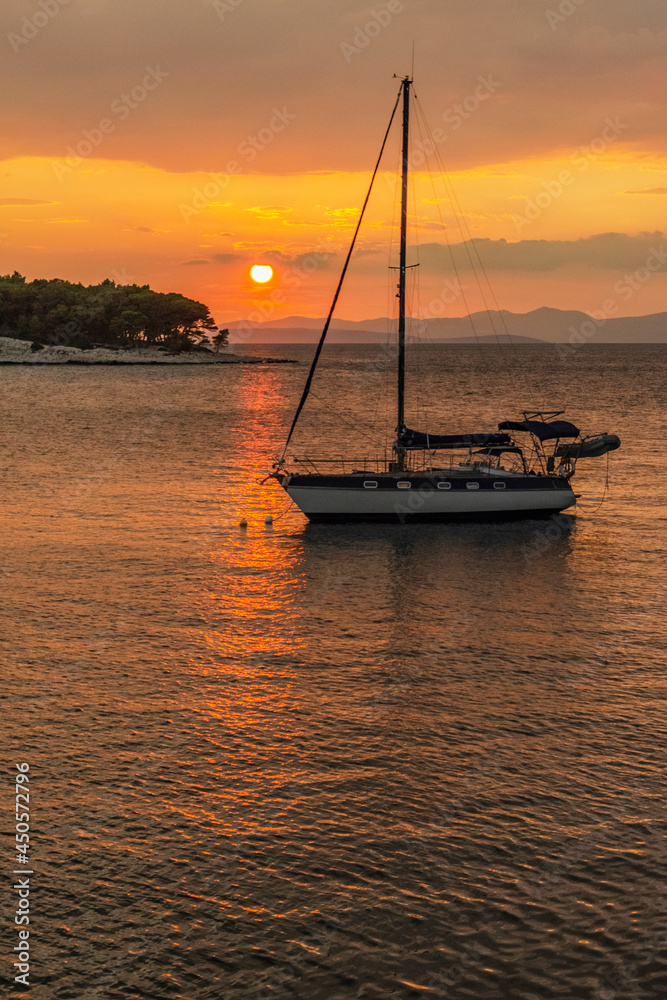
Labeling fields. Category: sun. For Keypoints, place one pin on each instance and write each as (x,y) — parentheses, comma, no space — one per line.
(261,273)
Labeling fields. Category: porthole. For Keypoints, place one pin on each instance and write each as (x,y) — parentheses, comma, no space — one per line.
(444,485)
(405,484)
(499,486)
(472,486)
(370,484)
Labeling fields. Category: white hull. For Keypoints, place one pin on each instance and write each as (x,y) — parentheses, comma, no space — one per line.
(424,501)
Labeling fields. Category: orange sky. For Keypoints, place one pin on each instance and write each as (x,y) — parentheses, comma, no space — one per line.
(177,144)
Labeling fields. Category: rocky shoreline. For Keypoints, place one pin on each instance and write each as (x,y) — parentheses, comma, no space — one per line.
(22,352)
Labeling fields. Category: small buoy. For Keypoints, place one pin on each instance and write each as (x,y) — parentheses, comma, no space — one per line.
(268,519)
(243,523)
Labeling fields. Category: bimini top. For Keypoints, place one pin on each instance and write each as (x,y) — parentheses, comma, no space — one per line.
(542,429)
(415,440)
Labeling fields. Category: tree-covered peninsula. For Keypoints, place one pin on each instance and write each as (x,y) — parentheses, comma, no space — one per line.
(50,312)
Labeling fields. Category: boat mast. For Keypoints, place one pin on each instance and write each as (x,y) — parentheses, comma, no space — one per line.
(400,423)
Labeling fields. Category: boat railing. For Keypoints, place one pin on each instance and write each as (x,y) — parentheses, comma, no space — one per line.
(342,463)
(414,461)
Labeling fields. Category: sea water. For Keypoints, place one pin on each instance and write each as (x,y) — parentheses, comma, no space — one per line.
(311,761)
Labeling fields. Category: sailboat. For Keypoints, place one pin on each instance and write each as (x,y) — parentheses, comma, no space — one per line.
(413,483)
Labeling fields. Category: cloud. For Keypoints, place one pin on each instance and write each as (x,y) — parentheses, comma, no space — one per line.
(308,261)
(658,190)
(608,251)
(7,202)
(269,211)
(217,258)
(226,258)
(227,77)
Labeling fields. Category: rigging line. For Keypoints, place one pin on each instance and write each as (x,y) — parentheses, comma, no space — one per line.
(508,361)
(450,193)
(413,182)
(468,244)
(285,511)
(604,494)
(340,283)
(415,326)
(423,333)
(461,286)
(382,397)
(473,244)
(355,426)
(484,272)
(425,342)
(420,362)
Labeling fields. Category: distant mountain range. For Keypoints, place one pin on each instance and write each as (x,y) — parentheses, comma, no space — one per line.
(541,326)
